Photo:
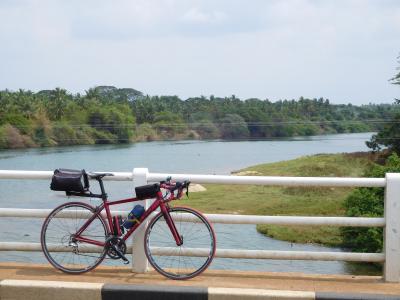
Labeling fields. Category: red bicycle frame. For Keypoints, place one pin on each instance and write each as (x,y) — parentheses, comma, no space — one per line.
(158,202)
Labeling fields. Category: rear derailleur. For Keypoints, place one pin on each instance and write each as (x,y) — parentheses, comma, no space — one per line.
(116,248)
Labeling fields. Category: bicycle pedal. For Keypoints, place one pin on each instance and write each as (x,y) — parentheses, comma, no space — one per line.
(123,257)
(125,260)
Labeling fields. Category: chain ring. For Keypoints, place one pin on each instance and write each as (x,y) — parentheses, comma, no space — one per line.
(120,243)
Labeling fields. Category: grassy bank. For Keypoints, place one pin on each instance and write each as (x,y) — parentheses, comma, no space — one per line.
(301,201)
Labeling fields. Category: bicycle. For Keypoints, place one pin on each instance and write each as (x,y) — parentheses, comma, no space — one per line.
(76,237)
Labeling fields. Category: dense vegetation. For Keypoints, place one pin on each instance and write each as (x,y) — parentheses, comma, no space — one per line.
(389,135)
(369,202)
(110,115)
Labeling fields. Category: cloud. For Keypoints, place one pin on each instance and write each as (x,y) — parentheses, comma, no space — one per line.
(343,50)
(194,15)
(149,19)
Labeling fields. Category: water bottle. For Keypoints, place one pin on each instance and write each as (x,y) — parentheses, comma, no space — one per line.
(133,216)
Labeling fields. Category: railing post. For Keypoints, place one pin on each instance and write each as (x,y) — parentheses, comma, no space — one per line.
(139,259)
(392,228)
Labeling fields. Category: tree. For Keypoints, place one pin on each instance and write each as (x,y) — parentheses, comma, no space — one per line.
(109,114)
(121,124)
(169,124)
(396,78)
(389,135)
(233,126)
(55,102)
(112,123)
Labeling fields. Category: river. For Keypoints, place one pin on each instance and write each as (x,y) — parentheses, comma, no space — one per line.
(201,157)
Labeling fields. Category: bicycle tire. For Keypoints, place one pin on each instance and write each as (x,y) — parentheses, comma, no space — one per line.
(199,234)
(56,237)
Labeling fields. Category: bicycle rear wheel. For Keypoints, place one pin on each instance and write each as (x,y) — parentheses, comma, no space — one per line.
(187,260)
(60,247)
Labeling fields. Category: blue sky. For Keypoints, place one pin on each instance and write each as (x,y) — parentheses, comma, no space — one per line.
(342,50)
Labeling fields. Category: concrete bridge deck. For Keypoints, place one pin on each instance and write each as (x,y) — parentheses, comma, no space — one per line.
(211,278)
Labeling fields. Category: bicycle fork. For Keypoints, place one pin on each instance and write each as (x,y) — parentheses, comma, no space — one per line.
(178,238)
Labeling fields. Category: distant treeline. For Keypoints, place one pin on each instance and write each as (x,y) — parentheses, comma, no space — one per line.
(106,114)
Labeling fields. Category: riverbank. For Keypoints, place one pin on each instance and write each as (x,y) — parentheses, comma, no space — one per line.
(110,115)
(62,134)
(301,201)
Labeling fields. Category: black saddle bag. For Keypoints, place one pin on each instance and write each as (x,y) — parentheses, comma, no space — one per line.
(147,191)
(70,181)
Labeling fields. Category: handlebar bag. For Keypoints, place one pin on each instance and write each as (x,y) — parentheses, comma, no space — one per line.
(69,181)
(147,191)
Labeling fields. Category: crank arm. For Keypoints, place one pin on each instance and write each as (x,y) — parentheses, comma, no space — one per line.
(120,254)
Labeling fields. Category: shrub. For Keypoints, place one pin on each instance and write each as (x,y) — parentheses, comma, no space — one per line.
(18,121)
(368,202)
(42,131)
(192,135)
(121,125)
(115,122)
(233,126)
(307,129)
(104,137)
(64,134)
(168,125)
(206,129)
(85,134)
(145,132)
(3,140)
(11,137)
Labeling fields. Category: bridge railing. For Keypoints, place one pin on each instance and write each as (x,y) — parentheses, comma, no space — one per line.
(140,176)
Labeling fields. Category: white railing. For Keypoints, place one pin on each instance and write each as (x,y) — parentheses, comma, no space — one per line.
(140,176)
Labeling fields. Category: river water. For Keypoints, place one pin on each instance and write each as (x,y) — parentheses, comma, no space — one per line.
(201,157)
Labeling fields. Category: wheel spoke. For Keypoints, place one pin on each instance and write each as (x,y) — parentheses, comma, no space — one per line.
(175,263)
(59,245)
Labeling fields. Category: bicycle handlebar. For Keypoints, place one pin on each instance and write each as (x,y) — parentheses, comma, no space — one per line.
(173,186)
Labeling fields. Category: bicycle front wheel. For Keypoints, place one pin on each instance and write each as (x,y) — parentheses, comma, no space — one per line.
(189,259)
(58,241)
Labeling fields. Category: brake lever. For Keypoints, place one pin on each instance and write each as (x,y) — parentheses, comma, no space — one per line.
(187,188)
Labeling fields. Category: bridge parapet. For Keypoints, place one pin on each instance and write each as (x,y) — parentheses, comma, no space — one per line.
(140,176)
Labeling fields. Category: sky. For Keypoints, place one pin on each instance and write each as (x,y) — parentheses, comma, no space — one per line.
(343,50)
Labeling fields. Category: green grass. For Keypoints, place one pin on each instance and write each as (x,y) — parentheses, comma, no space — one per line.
(300,201)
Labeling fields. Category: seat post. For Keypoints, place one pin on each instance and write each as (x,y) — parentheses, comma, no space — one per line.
(103,192)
